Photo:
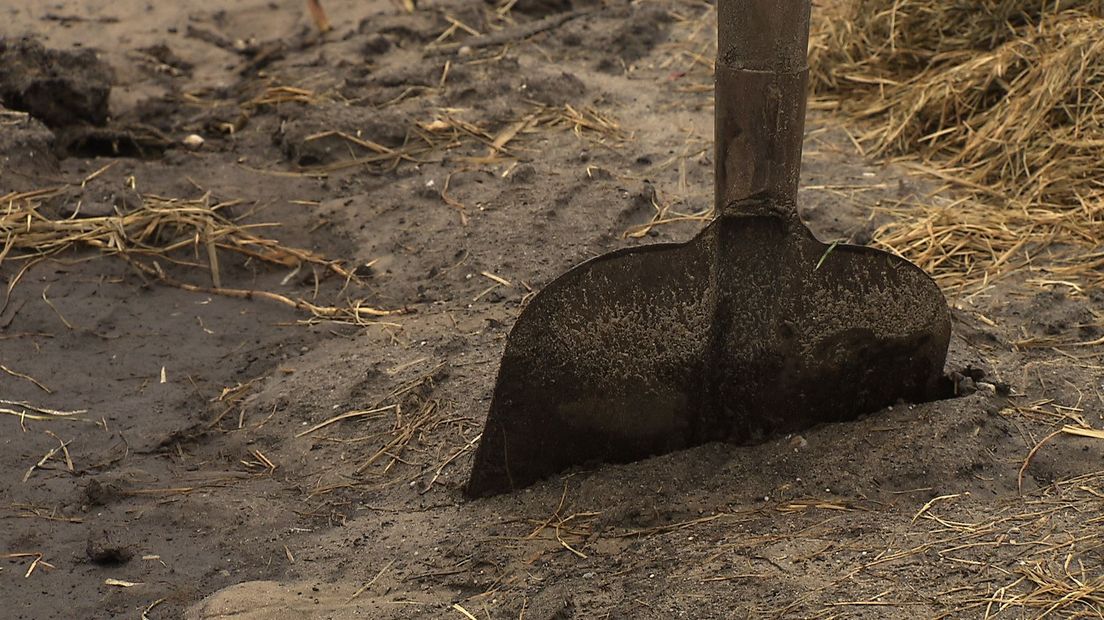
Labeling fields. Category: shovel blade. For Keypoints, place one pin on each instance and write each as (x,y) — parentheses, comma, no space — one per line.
(752,329)
(601,366)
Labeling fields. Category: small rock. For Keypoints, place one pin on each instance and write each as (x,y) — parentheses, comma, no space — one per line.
(193,141)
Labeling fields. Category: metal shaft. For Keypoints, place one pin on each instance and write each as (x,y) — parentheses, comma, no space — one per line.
(761,74)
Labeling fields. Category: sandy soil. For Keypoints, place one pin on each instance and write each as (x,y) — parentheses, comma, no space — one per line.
(199,481)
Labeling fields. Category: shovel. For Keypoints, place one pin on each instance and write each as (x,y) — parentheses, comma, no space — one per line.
(750,330)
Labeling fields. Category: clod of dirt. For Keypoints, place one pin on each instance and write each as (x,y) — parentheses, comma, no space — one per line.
(102,552)
(861,237)
(96,493)
(402,27)
(375,45)
(404,76)
(137,141)
(555,88)
(964,382)
(641,207)
(542,8)
(169,63)
(523,174)
(59,87)
(26,146)
(103,196)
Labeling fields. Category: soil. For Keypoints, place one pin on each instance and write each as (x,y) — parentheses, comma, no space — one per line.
(200,485)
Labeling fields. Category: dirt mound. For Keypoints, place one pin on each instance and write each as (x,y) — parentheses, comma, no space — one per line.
(58,87)
(26,149)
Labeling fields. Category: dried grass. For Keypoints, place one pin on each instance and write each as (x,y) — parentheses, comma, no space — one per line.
(164,228)
(1045,550)
(414,438)
(1001,98)
(275,94)
(447,129)
(957,556)
(28,411)
(159,227)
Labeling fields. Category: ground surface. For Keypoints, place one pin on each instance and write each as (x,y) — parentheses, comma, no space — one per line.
(200,482)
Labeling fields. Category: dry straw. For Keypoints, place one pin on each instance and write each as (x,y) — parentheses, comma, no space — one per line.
(1004,99)
(165,229)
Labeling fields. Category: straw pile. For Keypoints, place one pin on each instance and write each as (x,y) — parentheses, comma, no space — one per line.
(1001,98)
(165,229)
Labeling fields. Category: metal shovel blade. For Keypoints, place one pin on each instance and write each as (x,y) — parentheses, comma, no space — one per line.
(651,350)
(750,330)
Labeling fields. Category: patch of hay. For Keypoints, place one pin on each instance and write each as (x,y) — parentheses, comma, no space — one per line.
(1002,98)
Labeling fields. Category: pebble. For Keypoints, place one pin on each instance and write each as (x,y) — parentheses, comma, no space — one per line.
(797,442)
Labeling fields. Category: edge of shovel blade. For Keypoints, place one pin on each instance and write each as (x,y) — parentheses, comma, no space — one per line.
(603,365)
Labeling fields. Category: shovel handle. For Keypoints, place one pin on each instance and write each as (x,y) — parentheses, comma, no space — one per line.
(761,75)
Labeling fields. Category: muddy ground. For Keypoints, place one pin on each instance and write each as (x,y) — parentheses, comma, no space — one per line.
(199,485)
